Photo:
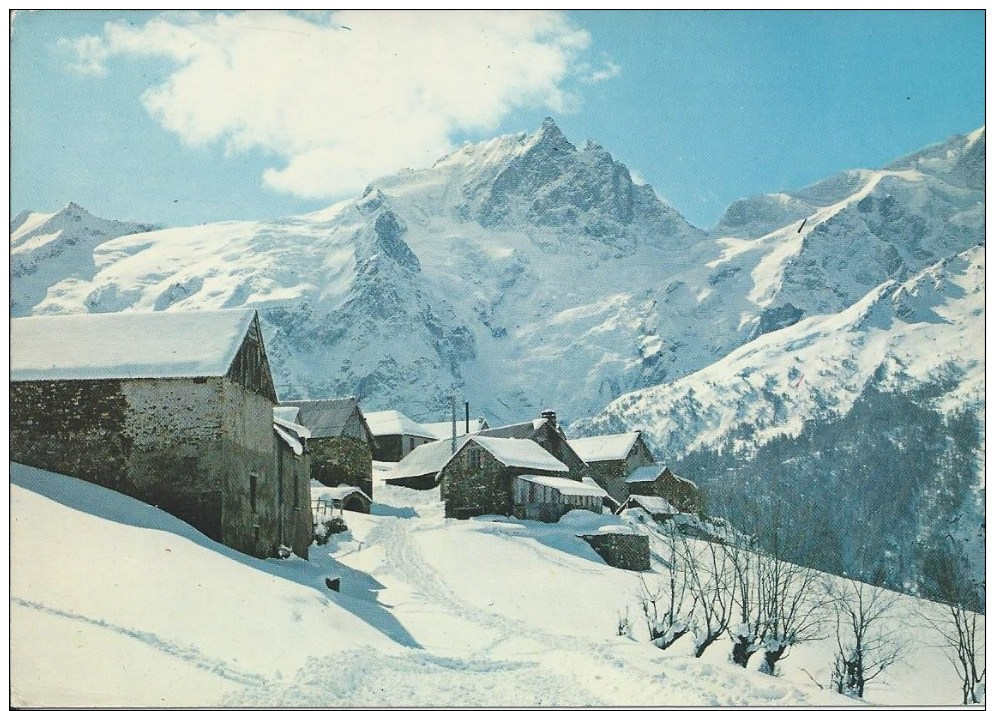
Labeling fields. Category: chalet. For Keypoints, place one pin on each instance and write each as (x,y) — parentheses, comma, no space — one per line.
(479,478)
(341,443)
(444,430)
(395,434)
(657,480)
(295,525)
(172,408)
(611,458)
(545,432)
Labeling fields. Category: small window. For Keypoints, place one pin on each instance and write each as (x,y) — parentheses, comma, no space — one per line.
(474,458)
(253,486)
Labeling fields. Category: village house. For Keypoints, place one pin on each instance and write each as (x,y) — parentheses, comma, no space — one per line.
(420,468)
(611,458)
(395,434)
(172,408)
(658,508)
(545,432)
(480,477)
(657,480)
(547,498)
(295,524)
(341,443)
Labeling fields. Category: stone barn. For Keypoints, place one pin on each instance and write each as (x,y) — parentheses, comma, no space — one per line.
(293,484)
(395,434)
(341,443)
(172,408)
(479,478)
(657,480)
(611,458)
(545,432)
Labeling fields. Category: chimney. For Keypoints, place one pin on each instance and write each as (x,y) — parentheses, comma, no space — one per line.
(550,417)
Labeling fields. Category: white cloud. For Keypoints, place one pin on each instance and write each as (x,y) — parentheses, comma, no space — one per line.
(344,97)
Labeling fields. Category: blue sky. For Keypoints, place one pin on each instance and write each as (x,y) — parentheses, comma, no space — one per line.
(187,118)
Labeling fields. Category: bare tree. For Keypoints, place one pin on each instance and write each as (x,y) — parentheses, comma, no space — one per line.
(866,640)
(748,623)
(709,578)
(795,608)
(947,579)
(667,610)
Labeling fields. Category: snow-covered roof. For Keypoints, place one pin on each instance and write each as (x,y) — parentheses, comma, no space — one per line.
(341,492)
(286,413)
(651,472)
(392,422)
(567,487)
(289,437)
(160,344)
(444,430)
(653,504)
(325,418)
(425,459)
(520,453)
(605,448)
(299,430)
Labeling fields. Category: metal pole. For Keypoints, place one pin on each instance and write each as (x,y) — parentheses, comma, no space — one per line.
(466,404)
(452,403)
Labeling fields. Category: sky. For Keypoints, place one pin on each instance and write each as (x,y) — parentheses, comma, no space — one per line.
(186,118)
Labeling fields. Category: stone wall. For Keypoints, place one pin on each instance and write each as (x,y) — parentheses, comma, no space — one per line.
(246,419)
(474,491)
(294,482)
(610,476)
(342,460)
(629,551)
(190,446)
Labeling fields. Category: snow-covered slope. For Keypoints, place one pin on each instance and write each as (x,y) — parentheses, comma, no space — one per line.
(528,274)
(140,609)
(902,369)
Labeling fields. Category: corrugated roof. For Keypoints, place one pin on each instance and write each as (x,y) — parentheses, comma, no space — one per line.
(325,418)
(392,422)
(605,448)
(568,487)
(159,344)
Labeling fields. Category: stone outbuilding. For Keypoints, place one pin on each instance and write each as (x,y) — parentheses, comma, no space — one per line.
(420,468)
(341,443)
(172,408)
(395,434)
(658,480)
(658,508)
(611,458)
(479,478)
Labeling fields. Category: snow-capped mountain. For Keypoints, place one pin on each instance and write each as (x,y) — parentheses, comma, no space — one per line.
(526,273)
(870,417)
(48,249)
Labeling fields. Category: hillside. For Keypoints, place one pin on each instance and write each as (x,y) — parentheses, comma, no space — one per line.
(872,416)
(527,250)
(141,609)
